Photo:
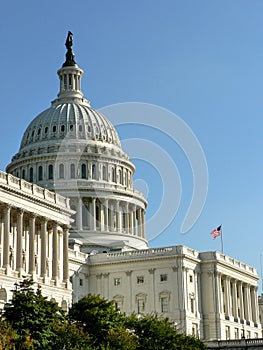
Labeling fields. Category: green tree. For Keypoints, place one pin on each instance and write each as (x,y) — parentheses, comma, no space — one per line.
(32,316)
(104,324)
(155,334)
(8,336)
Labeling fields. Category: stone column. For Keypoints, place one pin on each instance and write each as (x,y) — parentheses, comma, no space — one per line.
(227,296)
(241,301)
(234,298)
(43,267)
(93,213)
(134,221)
(19,264)
(55,253)
(247,301)
(6,252)
(139,223)
(65,254)
(106,215)
(152,300)
(118,217)
(79,214)
(143,224)
(127,221)
(32,231)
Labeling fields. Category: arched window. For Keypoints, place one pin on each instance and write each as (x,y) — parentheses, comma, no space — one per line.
(61,171)
(83,171)
(23,174)
(72,171)
(104,173)
(31,174)
(120,176)
(40,173)
(50,172)
(113,177)
(94,175)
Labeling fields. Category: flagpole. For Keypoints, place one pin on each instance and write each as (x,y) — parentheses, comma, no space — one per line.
(222,246)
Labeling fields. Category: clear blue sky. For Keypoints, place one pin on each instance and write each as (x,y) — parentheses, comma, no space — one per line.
(202,60)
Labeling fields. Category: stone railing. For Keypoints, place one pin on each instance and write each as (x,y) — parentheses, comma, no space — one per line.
(238,344)
(32,189)
(151,252)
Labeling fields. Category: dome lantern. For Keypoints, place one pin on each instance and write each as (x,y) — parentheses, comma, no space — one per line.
(70,77)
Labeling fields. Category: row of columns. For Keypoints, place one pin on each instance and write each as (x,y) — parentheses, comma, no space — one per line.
(15,233)
(238,299)
(114,216)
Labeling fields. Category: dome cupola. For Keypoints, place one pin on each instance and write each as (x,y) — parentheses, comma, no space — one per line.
(75,150)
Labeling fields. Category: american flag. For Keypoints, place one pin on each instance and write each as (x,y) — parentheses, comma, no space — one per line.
(216,232)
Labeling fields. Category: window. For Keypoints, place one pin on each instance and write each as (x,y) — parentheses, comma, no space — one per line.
(117,281)
(71,127)
(23,174)
(61,171)
(62,128)
(191,278)
(54,128)
(120,176)
(194,330)
(140,306)
(50,172)
(31,174)
(81,282)
(140,279)
(104,173)
(192,305)
(80,128)
(94,172)
(164,303)
(72,171)
(83,171)
(113,177)
(236,333)
(227,332)
(39,131)
(46,129)
(163,277)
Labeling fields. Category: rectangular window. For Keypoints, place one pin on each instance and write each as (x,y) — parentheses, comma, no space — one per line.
(192,305)
(236,333)
(164,304)
(117,281)
(227,332)
(194,330)
(140,279)
(81,282)
(141,306)
(191,278)
(163,277)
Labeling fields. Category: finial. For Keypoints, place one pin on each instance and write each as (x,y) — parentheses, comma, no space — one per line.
(69,55)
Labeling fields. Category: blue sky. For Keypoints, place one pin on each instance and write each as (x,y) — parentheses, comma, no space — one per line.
(201,60)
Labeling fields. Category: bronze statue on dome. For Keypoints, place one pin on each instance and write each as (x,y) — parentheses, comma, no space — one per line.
(69,55)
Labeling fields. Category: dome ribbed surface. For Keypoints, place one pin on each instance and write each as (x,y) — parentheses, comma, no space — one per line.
(72,121)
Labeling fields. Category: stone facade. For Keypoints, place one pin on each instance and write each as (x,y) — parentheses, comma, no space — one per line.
(71,170)
(34,229)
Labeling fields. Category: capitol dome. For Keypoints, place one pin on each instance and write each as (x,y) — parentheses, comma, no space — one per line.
(74,150)
(76,121)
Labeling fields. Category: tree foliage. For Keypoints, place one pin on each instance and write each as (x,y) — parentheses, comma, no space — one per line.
(31,322)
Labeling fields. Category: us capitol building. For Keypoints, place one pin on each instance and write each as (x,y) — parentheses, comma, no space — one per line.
(71,218)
